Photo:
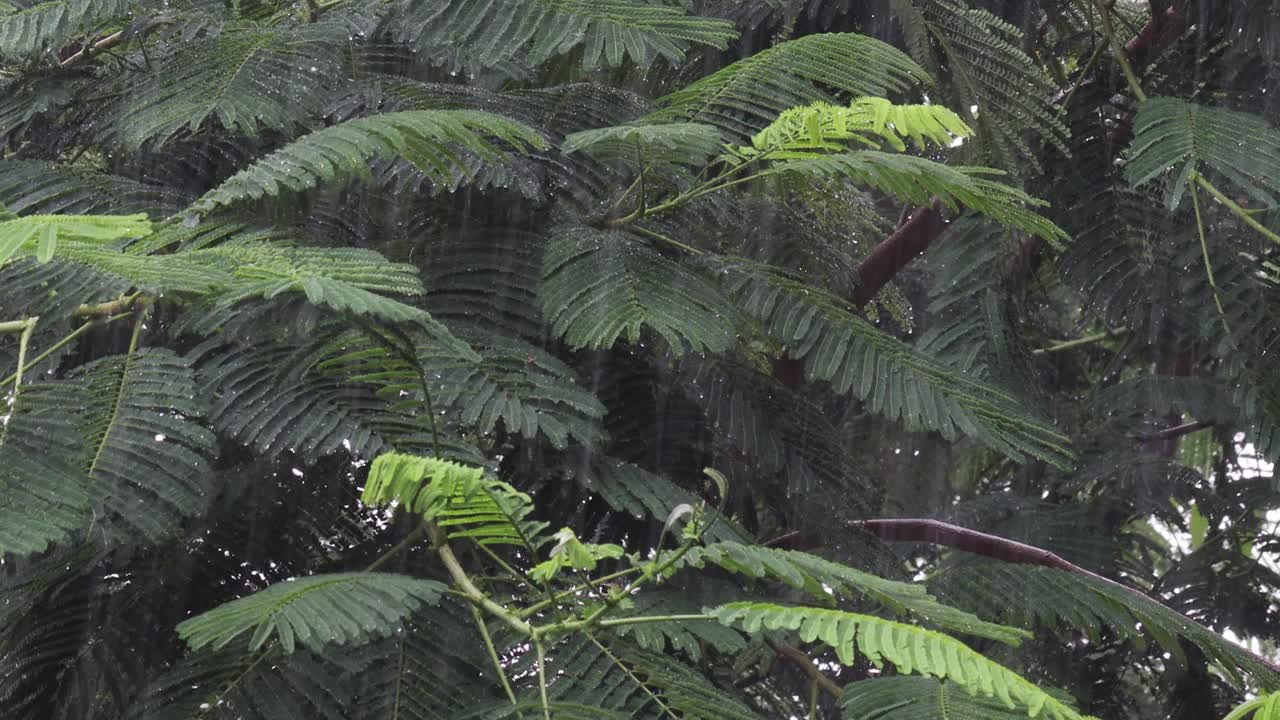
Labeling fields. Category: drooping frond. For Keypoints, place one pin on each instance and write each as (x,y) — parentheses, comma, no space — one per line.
(341,608)
(895,380)
(772,428)
(674,143)
(746,96)
(1174,134)
(42,232)
(40,188)
(602,285)
(506,380)
(237,78)
(456,497)
(41,439)
(823,128)
(909,648)
(989,71)
(437,142)
(252,402)
(486,33)
(49,25)
(599,677)
(970,322)
(918,181)
(434,669)
(344,279)
(920,698)
(232,683)
(823,579)
(148,467)
(1027,594)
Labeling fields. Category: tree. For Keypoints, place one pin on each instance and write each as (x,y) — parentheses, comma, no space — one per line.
(626,358)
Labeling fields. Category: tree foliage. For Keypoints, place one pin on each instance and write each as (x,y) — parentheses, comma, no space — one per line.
(630,358)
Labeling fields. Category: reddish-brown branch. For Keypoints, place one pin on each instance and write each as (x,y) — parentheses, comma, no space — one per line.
(994,546)
(1162,26)
(893,253)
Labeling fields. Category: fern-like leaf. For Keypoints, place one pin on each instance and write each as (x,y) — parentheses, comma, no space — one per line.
(673,143)
(1174,134)
(41,440)
(746,96)
(989,71)
(822,128)
(314,611)
(919,698)
(643,494)
(918,181)
(42,232)
(456,497)
(437,142)
(485,33)
(235,77)
(907,647)
(601,285)
(32,187)
(840,347)
(49,25)
(148,465)
(821,578)
(1026,594)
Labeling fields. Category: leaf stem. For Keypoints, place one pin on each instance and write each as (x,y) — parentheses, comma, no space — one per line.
(66,340)
(493,654)
(1204,253)
(469,588)
(1234,207)
(542,677)
(414,536)
(1079,342)
(1117,49)
(541,604)
(632,675)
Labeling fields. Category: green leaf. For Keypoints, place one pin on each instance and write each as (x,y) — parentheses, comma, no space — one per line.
(822,128)
(895,380)
(17,232)
(342,608)
(909,648)
(1174,134)
(746,96)
(437,142)
(457,497)
(486,33)
(602,285)
(675,143)
(50,25)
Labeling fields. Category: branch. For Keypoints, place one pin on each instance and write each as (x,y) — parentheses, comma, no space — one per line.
(1175,431)
(801,659)
(105,43)
(1163,25)
(992,546)
(893,253)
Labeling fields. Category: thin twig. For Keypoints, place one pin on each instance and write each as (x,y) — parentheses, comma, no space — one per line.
(801,659)
(1080,342)
(1175,431)
(493,654)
